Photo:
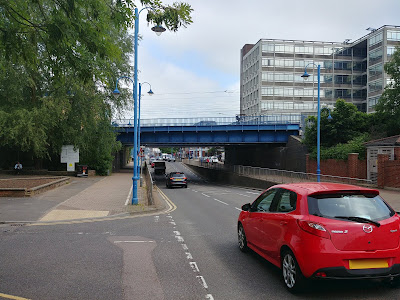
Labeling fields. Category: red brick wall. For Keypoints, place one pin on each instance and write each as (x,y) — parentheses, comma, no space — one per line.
(391,173)
(353,167)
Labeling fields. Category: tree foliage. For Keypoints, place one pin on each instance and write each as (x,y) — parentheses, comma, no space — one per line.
(344,133)
(59,59)
(388,107)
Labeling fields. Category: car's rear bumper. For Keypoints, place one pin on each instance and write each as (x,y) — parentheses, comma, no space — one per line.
(178,183)
(343,273)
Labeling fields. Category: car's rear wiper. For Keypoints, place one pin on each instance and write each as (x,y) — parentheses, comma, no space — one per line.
(359,219)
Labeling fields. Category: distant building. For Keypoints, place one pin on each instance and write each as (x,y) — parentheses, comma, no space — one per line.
(271,83)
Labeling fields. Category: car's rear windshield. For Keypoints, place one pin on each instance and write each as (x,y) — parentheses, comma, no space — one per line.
(369,206)
(159,164)
(177,175)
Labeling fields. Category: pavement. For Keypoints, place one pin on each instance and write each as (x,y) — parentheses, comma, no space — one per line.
(98,198)
(83,198)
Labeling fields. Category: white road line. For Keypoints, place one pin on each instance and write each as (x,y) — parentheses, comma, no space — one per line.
(205,195)
(238,208)
(221,201)
(179,238)
(116,242)
(188,255)
(129,196)
(245,195)
(194,266)
(185,247)
(202,281)
(253,193)
(177,233)
(209,297)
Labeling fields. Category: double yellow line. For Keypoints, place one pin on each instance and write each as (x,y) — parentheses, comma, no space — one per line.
(171,205)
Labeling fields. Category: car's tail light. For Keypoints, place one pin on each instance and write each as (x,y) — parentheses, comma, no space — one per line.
(314,228)
(184,178)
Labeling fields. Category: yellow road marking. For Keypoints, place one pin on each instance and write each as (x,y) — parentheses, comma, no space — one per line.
(12,297)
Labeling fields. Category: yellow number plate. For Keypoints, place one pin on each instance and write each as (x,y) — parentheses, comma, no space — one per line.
(373,263)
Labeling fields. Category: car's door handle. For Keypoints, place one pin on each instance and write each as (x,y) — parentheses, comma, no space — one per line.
(283,223)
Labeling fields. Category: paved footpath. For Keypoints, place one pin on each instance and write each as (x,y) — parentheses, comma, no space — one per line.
(103,198)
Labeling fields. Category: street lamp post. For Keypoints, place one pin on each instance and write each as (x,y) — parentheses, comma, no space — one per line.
(158,29)
(305,76)
(150,92)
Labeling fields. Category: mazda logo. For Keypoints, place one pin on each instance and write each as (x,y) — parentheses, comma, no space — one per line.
(367,228)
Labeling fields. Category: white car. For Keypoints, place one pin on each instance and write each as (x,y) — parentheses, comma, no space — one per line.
(213,159)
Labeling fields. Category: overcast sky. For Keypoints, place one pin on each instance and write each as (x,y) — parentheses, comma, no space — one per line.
(195,72)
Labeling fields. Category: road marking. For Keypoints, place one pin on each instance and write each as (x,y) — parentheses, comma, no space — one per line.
(209,297)
(221,201)
(238,208)
(205,195)
(188,255)
(185,247)
(12,297)
(194,266)
(202,281)
(177,233)
(253,193)
(245,195)
(179,238)
(129,196)
(116,242)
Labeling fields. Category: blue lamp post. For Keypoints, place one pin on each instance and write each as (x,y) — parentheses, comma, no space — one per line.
(158,29)
(305,76)
(150,92)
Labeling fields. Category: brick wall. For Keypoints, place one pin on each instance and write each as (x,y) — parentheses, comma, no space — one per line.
(389,170)
(353,167)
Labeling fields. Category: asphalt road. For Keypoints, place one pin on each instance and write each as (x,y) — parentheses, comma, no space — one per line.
(190,253)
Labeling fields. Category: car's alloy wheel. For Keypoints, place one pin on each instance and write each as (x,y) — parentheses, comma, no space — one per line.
(242,239)
(291,273)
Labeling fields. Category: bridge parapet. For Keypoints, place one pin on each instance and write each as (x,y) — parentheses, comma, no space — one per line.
(217,121)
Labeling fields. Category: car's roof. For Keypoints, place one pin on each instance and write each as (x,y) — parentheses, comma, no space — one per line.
(308,188)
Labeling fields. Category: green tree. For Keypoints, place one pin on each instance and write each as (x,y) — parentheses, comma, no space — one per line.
(346,126)
(58,62)
(388,107)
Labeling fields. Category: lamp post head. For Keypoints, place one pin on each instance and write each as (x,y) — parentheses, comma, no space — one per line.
(116,93)
(330,117)
(150,92)
(305,75)
(158,29)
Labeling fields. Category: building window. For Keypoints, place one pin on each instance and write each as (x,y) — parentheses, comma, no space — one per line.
(389,51)
(375,56)
(304,49)
(377,38)
(393,35)
(375,70)
(372,102)
(375,86)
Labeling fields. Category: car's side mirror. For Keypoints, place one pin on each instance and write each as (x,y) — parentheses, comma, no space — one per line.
(246,207)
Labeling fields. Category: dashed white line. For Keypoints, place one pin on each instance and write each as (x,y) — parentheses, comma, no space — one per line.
(116,242)
(202,281)
(238,208)
(205,195)
(245,195)
(221,201)
(253,193)
(194,266)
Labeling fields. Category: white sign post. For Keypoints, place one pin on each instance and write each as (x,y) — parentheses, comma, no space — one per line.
(69,156)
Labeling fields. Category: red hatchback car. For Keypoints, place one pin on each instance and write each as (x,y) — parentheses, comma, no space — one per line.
(323,230)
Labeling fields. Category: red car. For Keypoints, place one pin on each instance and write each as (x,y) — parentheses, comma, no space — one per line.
(323,231)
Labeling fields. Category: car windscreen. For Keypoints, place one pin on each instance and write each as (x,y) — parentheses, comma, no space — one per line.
(177,175)
(368,206)
(159,164)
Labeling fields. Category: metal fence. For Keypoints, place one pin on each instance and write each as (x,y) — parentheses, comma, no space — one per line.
(285,176)
(279,176)
(216,121)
